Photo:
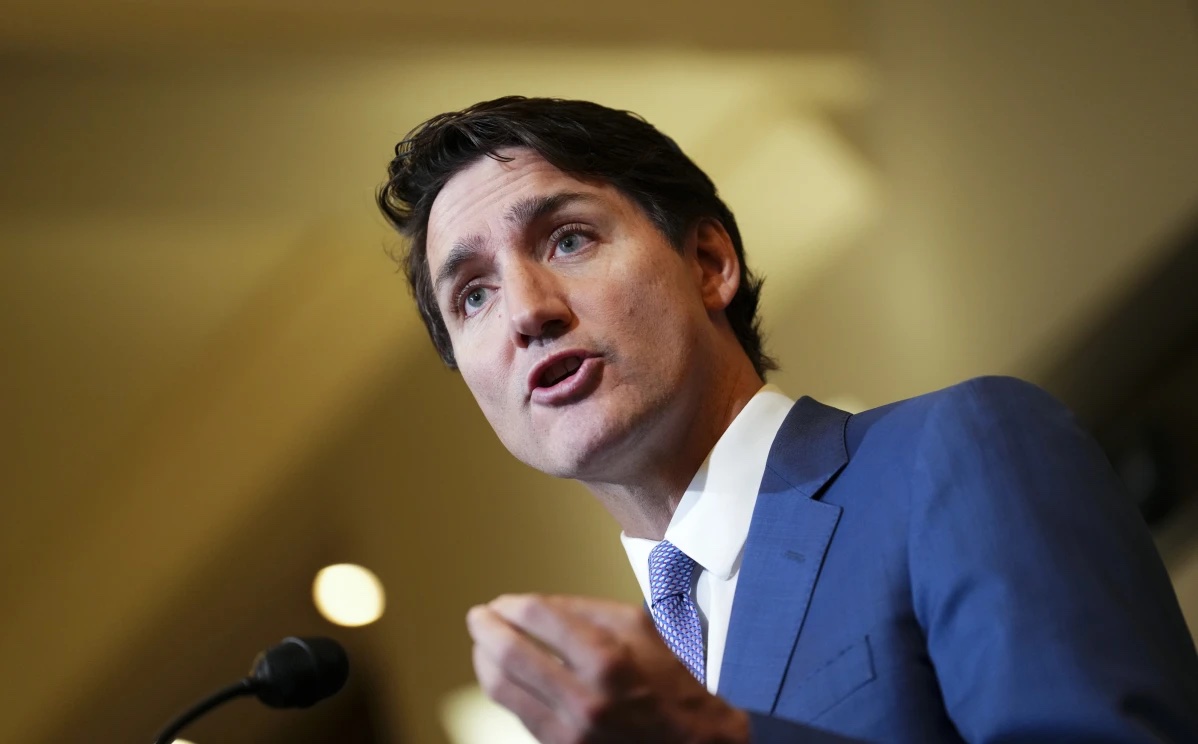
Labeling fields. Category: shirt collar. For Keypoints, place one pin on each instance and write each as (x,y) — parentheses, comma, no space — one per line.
(712,520)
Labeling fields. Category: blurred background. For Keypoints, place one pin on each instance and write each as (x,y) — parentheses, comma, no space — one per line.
(214,383)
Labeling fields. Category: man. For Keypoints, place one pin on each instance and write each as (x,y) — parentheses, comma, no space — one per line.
(961,566)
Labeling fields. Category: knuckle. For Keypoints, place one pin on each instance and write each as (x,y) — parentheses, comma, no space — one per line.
(488,676)
(522,608)
(505,601)
(615,665)
(530,609)
(491,685)
(507,653)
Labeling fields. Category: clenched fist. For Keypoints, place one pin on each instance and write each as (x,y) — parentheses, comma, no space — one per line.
(575,669)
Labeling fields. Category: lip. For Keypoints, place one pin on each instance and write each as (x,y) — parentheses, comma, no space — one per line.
(572,387)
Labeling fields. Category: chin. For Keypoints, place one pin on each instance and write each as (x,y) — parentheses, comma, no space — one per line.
(585,455)
(571,460)
(597,442)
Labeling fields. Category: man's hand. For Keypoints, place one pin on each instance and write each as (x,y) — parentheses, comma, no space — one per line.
(575,669)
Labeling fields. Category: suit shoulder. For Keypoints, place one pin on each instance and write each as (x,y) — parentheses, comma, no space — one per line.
(989,398)
(998,389)
(998,400)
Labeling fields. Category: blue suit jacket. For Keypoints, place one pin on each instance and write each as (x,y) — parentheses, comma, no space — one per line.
(963,566)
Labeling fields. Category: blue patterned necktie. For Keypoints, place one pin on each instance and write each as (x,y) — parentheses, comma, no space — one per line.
(674,612)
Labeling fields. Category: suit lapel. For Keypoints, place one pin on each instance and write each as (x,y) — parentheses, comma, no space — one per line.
(785,549)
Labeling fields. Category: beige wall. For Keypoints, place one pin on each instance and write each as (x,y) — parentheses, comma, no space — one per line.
(1032,155)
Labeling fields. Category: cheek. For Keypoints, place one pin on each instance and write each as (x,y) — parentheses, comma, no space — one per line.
(488,394)
(483,384)
(651,306)
(483,375)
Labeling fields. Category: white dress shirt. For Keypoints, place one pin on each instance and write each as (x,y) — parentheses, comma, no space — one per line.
(711,522)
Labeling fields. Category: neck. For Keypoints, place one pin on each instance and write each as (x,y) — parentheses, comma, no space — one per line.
(643,495)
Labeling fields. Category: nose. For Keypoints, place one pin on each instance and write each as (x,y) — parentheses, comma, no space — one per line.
(536,303)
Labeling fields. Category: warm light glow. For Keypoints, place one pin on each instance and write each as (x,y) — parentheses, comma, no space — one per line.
(182,741)
(470,717)
(348,595)
(850,403)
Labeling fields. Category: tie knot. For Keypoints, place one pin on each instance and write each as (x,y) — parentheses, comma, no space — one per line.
(670,572)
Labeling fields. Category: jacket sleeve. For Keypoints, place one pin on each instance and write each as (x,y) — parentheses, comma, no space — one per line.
(1047,611)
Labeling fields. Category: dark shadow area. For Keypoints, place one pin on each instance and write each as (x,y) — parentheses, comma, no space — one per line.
(1133,381)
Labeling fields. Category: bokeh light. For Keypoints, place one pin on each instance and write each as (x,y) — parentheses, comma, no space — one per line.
(348,594)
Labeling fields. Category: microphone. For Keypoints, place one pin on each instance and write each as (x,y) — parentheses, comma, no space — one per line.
(297,673)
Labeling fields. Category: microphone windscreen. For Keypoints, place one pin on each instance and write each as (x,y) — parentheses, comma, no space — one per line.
(299,672)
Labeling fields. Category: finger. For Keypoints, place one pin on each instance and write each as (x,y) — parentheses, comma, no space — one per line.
(631,624)
(528,663)
(606,661)
(579,642)
(541,719)
(614,617)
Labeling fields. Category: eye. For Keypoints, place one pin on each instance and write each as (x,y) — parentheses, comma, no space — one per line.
(473,299)
(567,244)
(570,240)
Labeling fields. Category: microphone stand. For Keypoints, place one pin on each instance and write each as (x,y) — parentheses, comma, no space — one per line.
(246,686)
(297,673)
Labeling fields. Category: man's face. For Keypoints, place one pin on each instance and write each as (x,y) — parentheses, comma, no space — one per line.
(575,323)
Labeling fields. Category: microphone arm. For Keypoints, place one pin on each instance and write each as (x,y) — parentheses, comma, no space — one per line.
(223,695)
(297,673)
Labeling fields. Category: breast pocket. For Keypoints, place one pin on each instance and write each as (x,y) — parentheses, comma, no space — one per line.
(844,673)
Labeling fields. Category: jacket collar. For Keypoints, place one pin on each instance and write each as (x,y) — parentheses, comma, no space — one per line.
(810,447)
(788,539)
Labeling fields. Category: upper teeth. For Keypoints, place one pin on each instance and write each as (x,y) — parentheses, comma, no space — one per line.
(560,369)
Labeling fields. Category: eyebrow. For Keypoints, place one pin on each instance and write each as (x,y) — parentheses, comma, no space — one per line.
(532,208)
(462,253)
(523,213)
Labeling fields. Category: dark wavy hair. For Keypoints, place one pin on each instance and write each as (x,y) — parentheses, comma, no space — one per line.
(580,138)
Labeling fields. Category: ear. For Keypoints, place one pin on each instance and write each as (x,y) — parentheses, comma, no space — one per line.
(717,269)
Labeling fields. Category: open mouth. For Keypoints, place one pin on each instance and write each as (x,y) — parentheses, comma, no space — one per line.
(560,370)
(565,378)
